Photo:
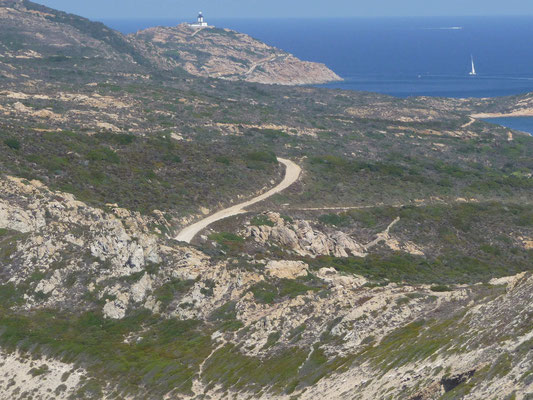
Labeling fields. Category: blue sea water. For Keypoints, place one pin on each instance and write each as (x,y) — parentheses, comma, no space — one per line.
(524,124)
(401,56)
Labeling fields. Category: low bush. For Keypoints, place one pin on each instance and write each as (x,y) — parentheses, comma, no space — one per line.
(12,143)
(227,240)
(440,288)
(118,138)
(103,154)
(260,220)
(262,156)
(225,317)
(223,160)
(402,267)
(170,290)
(335,219)
(165,357)
(269,292)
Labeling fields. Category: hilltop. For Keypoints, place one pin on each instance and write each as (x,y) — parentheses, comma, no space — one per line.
(219,53)
(226,54)
(35,34)
(397,265)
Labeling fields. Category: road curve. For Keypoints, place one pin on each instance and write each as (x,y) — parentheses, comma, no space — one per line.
(292,173)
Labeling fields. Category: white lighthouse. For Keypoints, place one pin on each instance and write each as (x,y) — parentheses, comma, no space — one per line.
(200,22)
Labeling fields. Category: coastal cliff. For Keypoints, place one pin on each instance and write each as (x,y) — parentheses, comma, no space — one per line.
(226,54)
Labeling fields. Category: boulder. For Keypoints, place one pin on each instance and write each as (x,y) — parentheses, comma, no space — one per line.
(287,269)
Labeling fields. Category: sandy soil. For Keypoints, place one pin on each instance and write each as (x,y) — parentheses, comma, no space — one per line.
(526,112)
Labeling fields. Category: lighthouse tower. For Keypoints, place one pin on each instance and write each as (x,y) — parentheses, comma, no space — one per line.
(200,22)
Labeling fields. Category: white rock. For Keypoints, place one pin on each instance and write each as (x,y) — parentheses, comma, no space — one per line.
(138,290)
(17,219)
(116,309)
(287,269)
(47,286)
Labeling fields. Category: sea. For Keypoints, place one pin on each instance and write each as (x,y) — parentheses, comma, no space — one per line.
(401,57)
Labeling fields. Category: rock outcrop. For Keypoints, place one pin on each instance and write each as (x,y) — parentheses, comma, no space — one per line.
(59,230)
(226,54)
(301,238)
(43,377)
(64,252)
(287,269)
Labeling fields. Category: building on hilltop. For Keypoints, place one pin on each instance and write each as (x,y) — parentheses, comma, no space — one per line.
(200,22)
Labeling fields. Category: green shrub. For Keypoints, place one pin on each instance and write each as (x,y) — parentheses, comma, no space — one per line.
(327,134)
(296,333)
(329,160)
(224,237)
(364,217)
(411,343)
(223,160)
(176,159)
(272,339)
(451,268)
(525,219)
(43,369)
(182,170)
(229,367)
(268,292)
(258,160)
(8,244)
(118,138)
(260,220)
(292,288)
(227,240)
(10,295)
(287,219)
(440,288)
(103,154)
(487,248)
(209,286)
(264,292)
(335,219)
(262,156)
(12,143)
(167,292)
(166,357)
(226,317)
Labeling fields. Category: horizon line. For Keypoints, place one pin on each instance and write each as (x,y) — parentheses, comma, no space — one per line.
(327,17)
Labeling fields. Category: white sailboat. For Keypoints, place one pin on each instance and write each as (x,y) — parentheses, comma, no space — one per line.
(473,72)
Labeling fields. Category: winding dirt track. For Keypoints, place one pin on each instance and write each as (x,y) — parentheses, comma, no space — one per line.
(292,173)
(472,120)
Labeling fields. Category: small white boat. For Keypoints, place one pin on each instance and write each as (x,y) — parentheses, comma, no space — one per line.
(473,72)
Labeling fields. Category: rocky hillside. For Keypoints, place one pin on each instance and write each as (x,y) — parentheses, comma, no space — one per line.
(226,54)
(398,266)
(105,291)
(35,34)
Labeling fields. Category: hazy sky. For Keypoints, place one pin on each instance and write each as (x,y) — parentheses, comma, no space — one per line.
(185,9)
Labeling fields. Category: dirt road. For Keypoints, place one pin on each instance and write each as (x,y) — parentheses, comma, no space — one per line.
(292,173)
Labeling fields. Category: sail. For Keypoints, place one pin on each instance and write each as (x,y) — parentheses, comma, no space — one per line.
(473,72)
